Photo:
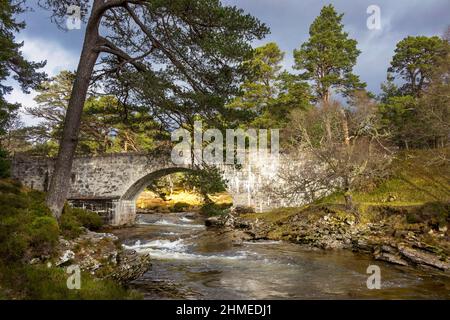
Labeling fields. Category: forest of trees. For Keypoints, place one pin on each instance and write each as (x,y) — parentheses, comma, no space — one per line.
(213,74)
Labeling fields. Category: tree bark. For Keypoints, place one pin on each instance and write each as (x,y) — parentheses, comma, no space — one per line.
(60,181)
(348,201)
(345,127)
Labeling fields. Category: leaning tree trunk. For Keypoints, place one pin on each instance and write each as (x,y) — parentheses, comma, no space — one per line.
(60,182)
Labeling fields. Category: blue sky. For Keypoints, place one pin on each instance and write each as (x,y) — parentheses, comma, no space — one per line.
(289,21)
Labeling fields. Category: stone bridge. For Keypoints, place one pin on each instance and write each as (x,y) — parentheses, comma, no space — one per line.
(110,184)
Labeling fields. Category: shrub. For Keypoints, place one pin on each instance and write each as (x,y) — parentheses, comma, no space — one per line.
(70,226)
(27,228)
(44,230)
(179,207)
(5,164)
(212,209)
(73,219)
(37,205)
(10,186)
(13,247)
(40,282)
(88,219)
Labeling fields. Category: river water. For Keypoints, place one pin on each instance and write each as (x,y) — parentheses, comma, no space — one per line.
(189,261)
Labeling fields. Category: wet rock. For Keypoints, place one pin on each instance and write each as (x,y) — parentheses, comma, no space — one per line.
(331,244)
(421,257)
(389,239)
(388,249)
(391,258)
(214,222)
(362,245)
(66,257)
(130,266)
(389,254)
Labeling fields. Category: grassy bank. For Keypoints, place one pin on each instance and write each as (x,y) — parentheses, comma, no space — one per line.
(28,232)
(417,181)
(404,219)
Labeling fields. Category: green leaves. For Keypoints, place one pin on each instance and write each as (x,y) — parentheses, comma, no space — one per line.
(416,111)
(207,180)
(414,60)
(12,62)
(328,57)
(192,53)
(261,73)
(268,93)
(106,125)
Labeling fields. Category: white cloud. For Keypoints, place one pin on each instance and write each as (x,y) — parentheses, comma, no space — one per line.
(58,58)
(38,49)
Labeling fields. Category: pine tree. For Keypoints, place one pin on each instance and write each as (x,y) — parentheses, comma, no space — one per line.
(12,62)
(328,57)
(185,53)
(268,93)
(414,60)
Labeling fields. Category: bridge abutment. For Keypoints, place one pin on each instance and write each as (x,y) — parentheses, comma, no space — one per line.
(125,213)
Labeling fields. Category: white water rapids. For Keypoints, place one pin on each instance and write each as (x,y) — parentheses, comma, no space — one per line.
(190,261)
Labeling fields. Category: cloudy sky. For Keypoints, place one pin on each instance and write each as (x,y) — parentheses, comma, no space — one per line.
(289,21)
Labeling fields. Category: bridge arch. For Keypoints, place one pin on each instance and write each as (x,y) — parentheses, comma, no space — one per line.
(137,187)
(125,209)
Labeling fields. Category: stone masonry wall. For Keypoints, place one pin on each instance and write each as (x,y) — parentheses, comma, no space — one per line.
(110,177)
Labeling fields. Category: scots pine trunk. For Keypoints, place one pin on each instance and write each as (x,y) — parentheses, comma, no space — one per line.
(60,181)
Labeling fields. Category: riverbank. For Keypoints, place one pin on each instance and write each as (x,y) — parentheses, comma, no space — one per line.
(387,233)
(404,220)
(191,261)
(39,256)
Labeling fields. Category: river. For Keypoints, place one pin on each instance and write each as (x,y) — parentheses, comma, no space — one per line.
(191,262)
